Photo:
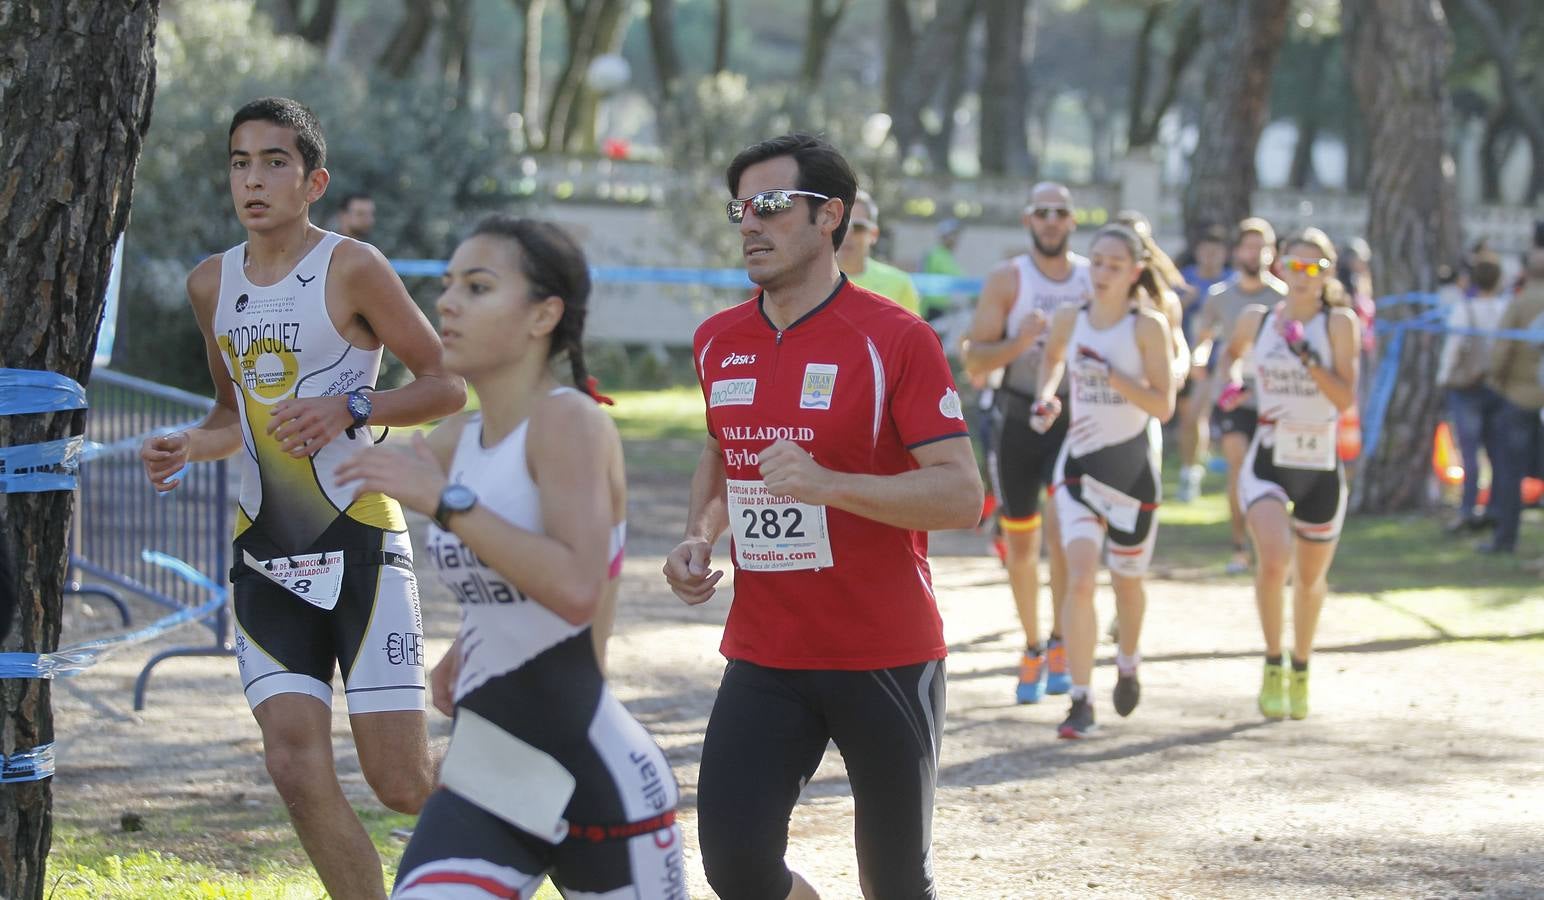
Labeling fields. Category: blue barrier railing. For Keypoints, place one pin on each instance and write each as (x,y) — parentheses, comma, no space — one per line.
(729,279)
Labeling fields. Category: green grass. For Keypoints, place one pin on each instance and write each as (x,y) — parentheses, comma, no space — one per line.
(203,851)
(1405,560)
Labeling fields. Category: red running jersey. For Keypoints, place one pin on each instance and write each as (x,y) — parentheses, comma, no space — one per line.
(859,382)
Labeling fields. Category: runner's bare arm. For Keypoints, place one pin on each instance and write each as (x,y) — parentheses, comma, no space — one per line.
(382,301)
(219,434)
(987,344)
(1174,313)
(1338,380)
(688,568)
(1154,393)
(1053,360)
(945,492)
(1245,327)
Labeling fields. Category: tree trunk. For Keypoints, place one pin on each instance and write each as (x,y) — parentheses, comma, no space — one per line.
(1310,119)
(410,38)
(939,53)
(1004,133)
(456,49)
(1144,122)
(900,49)
(721,32)
(1398,52)
(1242,38)
(76,80)
(1493,152)
(594,29)
(667,63)
(528,59)
(939,143)
(1502,42)
(817,40)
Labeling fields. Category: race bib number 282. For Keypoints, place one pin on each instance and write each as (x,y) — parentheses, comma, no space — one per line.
(776,534)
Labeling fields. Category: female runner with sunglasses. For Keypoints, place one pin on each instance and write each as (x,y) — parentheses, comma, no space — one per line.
(1291,485)
(1106,481)
(547,772)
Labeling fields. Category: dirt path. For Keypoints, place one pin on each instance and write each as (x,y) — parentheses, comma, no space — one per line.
(1420,773)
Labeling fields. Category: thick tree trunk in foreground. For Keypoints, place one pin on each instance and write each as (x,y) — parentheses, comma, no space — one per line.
(1398,51)
(1005,88)
(1242,38)
(76,80)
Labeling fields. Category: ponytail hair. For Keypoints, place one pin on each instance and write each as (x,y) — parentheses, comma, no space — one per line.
(555,266)
(1334,291)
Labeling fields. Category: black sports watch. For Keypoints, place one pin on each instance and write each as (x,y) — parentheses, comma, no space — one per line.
(360,407)
(456,498)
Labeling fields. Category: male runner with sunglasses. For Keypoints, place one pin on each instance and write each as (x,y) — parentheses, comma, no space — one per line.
(836,441)
(1252,283)
(1008,331)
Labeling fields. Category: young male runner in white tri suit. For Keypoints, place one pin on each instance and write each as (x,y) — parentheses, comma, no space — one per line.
(547,773)
(836,441)
(1007,332)
(1292,486)
(294,323)
(1119,354)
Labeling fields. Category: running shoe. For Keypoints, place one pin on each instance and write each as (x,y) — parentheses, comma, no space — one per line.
(1128,692)
(1079,722)
(1297,693)
(1273,700)
(1031,678)
(1239,564)
(1190,483)
(1057,679)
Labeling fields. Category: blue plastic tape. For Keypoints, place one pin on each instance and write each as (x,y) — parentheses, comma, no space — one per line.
(48,466)
(28,765)
(76,658)
(25,391)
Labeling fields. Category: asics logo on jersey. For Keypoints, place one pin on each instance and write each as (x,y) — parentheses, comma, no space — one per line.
(737,359)
(241,303)
(303,279)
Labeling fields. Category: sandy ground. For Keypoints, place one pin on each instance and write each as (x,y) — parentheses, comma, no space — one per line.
(1419,774)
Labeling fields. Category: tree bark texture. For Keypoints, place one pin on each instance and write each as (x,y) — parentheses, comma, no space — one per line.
(1242,38)
(76,80)
(1398,51)
(1004,136)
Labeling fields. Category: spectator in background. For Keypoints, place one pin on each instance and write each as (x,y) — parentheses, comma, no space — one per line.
(865,271)
(1208,268)
(1461,371)
(940,261)
(356,217)
(1512,439)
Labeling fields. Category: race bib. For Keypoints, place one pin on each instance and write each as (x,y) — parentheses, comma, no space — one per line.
(318,580)
(1304,445)
(776,534)
(497,772)
(1119,510)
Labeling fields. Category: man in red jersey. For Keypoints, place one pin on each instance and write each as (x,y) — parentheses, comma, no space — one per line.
(836,441)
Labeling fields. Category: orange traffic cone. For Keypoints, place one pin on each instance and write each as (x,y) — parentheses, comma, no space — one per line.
(1444,457)
(1348,437)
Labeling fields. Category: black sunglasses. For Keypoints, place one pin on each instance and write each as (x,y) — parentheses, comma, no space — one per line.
(766,203)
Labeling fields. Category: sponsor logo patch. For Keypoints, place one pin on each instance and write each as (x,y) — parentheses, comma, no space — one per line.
(733,392)
(819,386)
(949,405)
(737,359)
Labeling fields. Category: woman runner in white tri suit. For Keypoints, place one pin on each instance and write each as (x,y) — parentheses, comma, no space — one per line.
(1291,485)
(1118,351)
(547,773)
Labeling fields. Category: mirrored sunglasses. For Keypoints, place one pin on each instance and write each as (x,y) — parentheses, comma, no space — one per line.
(766,203)
(1311,267)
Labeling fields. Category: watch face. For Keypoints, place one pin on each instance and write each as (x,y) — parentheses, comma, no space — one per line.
(359,406)
(458,498)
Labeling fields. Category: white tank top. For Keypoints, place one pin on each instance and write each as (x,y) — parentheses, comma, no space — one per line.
(1286,390)
(278,342)
(1038,291)
(1101,416)
(501,628)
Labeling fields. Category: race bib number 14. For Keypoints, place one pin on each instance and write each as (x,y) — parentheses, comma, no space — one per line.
(1305,445)
(776,534)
